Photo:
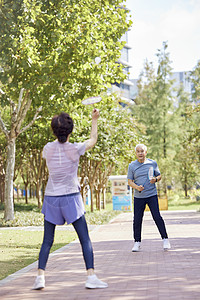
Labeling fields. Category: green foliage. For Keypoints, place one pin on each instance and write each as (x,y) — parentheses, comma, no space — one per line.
(194,76)
(155,106)
(170,123)
(49,47)
(116,132)
(178,201)
(186,156)
(195,109)
(48,51)
(101,217)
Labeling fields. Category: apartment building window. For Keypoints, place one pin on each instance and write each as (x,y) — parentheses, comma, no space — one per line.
(126,71)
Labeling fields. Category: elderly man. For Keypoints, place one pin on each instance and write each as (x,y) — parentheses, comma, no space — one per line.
(145,192)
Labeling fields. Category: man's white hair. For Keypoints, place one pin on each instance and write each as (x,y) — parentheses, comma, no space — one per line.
(142,146)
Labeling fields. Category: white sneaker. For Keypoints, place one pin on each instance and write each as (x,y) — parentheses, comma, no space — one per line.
(94,283)
(136,247)
(166,244)
(39,283)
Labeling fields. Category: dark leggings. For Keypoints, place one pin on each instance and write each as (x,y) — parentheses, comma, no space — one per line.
(80,226)
(139,207)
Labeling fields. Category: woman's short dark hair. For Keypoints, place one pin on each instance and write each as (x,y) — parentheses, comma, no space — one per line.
(62,125)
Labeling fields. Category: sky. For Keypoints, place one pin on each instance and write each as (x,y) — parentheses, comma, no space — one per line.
(176,22)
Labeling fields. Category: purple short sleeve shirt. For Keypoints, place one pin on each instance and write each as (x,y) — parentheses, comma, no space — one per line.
(62,162)
(62,200)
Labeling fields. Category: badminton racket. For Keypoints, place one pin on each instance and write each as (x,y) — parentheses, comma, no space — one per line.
(91,100)
(150,175)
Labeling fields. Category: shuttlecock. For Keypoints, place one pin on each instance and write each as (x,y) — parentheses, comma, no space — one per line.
(97,60)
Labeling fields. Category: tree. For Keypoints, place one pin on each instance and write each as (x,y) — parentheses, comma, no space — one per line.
(185,153)
(2,167)
(154,110)
(47,53)
(195,79)
(195,113)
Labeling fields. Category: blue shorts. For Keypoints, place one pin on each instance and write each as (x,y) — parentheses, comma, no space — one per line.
(60,209)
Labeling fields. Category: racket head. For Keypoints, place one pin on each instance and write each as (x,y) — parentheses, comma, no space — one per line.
(91,100)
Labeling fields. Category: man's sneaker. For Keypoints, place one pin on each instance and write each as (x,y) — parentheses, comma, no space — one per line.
(39,283)
(166,244)
(94,283)
(136,247)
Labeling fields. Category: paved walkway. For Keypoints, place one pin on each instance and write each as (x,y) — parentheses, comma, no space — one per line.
(151,274)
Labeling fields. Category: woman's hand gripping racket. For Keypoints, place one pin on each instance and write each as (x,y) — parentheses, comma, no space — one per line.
(150,175)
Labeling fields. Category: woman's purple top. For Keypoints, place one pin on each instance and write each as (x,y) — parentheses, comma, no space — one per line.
(62,162)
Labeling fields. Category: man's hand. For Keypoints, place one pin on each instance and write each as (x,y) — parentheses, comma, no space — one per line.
(140,188)
(153,180)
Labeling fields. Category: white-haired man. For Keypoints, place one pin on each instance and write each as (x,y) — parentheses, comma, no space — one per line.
(145,192)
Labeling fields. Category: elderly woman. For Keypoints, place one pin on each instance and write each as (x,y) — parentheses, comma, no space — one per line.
(62,200)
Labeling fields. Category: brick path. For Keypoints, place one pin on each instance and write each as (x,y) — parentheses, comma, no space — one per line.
(151,274)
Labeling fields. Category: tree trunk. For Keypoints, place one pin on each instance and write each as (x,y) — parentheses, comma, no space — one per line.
(96,196)
(31,192)
(91,193)
(43,190)
(38,194)
(38,166)
(2,190)
(18,113)
(99,199)
(104,197)
(164,141)
(185,180)
(186,185)
(10,165)
(26,193)
(186,190)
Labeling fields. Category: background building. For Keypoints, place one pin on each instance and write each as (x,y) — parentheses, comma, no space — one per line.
(179,78)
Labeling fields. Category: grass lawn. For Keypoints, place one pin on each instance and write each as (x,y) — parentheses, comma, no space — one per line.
(177,201)
(20,247)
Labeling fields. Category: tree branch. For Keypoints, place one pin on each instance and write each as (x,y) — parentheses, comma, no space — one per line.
(3,127)
(20,100)
(23,114)
(24,106)
(31,123)
(11,102)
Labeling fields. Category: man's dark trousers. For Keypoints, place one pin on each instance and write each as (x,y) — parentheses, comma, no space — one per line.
(139,207)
